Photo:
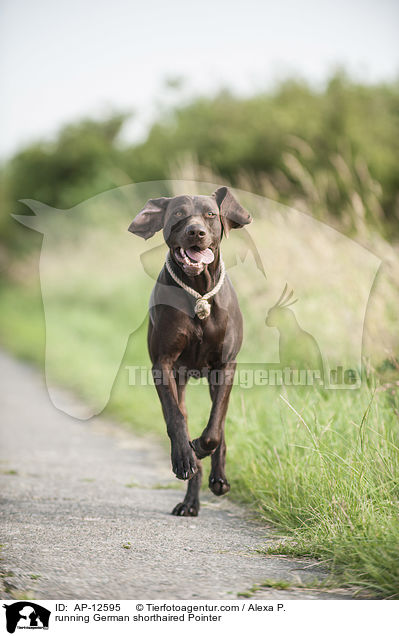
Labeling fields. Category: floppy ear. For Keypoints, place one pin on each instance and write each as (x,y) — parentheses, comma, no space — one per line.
(150,219)
(232,214)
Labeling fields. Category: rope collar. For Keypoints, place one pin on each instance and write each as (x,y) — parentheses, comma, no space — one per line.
(202,307)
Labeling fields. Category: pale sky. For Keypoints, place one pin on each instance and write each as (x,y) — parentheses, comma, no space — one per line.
(65,59)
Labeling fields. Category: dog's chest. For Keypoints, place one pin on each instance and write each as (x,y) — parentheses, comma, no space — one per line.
(205,343)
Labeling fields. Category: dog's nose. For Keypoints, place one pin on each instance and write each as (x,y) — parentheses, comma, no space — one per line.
(195,230)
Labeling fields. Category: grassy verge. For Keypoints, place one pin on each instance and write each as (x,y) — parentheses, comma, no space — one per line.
(325,468)
(320,465)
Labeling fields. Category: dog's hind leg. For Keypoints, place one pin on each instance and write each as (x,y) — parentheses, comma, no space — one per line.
(190,505)
(217,479)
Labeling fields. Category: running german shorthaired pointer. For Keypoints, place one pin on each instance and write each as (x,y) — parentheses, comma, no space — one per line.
(195,326)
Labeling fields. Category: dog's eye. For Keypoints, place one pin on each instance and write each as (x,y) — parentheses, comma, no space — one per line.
(210,214)
(179,213)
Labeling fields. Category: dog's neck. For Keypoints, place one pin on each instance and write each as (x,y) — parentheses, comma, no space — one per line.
(204,282)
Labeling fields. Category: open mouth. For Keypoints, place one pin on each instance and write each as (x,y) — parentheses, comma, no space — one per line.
(194,257)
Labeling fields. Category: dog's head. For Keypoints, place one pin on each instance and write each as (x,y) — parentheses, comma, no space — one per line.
(192,225)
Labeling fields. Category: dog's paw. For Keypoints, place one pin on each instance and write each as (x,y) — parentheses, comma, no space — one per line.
(218,485)
(186,509)
(199,449)
(184,463)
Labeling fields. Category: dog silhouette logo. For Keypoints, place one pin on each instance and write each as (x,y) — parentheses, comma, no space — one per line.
(26,615)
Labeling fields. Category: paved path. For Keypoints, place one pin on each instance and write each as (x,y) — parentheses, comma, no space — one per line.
(85,514)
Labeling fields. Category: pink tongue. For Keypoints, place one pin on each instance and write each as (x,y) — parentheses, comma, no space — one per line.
(203,256)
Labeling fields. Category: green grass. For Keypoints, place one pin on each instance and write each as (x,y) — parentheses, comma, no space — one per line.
(322,466)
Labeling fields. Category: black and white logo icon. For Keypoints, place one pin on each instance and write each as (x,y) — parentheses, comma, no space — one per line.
(26,615)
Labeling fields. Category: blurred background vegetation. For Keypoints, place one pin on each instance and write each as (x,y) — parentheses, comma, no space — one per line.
(323,466)
(332,152)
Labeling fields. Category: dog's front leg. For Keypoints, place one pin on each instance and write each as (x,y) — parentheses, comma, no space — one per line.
(184,462)
(212,435)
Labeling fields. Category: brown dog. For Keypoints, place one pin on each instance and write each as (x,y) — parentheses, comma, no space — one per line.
(191,335)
